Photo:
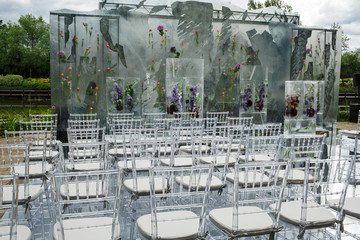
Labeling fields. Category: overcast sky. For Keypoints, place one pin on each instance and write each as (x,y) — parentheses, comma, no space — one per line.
(312,13)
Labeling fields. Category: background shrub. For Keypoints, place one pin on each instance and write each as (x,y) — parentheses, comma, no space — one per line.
(11,81)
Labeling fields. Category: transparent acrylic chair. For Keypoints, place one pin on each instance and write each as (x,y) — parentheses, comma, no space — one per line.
(11,226)
(87,205)
(78,157)
(185,117)
(309,212)
(220,116)
(348,149)
(33,187)
(255,187)
(301,146)
(179,206)
(83,116)
(43,150)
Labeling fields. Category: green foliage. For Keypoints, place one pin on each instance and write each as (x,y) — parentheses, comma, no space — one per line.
(343,116)
(346,83)
(350,64)
(11,81)
(25,47)
(37,83)
(252,5)
(10,117)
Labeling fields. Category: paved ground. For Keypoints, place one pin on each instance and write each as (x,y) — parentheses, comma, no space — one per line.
(346,125)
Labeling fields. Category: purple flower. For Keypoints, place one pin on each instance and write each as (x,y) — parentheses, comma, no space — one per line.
(118,90)
(308,50)
(160,28)
(173,49)
(93,85)
(61,54)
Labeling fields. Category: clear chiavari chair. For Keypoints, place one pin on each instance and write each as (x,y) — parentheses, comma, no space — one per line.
(87,205)
(255,187)
(309,213)
(178,199)
(78,157)
(11,224)
(32,188)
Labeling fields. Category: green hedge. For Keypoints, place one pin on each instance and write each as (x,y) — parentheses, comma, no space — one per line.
(11,81)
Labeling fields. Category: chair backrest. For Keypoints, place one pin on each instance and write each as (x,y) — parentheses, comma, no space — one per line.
(243,121)
(82,116)
(185,117)
(304,146)
(267,129)
(81,124)
(149,118)
(182,189)
(44,118)
(15,161)
(256,186)
(265,145)
(38,140)
(9,205)
(123,125)
(85,135)
(87,194)
(119,116)
(220,116)
(84,156)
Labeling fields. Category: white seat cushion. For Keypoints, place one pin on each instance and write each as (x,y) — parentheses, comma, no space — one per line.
(178,161)
(257,158)
(143,185)
(215,183)
(252,179)
(220,160)
(141,165)
(35,169)
(38,155)
(178,225)
(23,232)
(95,188)
(188,149)
(351,206)
(316,216)
(162,150)
(85,166)
(119,152)
(251,220)
(85,228)
(33,190)
(295,176)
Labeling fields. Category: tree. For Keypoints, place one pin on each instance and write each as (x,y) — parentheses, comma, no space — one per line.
(350,64)
(252,5)
(25,47)
(344,38)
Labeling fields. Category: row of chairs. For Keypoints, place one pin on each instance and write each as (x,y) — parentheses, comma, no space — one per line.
(180,139)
